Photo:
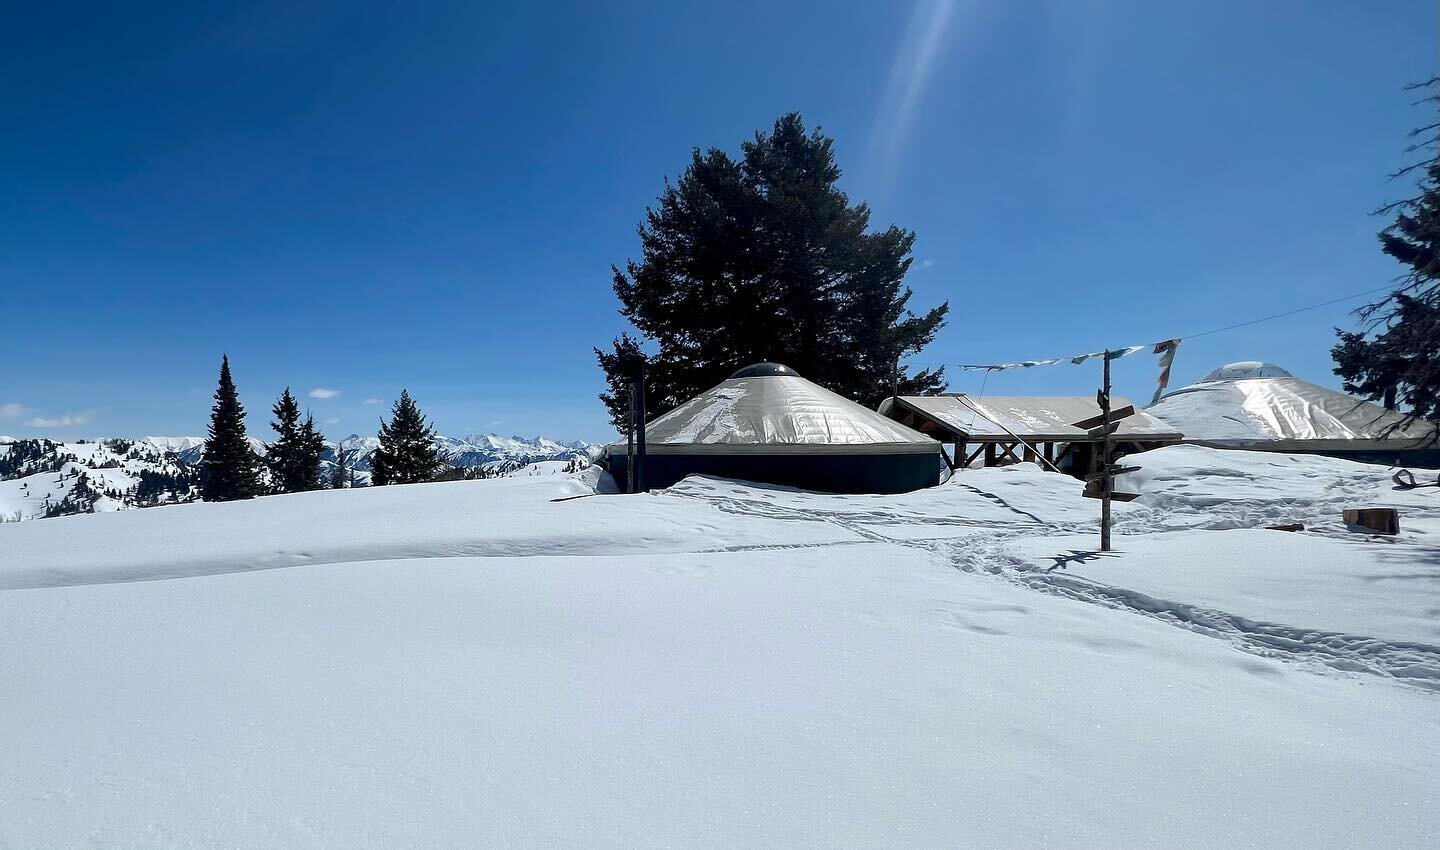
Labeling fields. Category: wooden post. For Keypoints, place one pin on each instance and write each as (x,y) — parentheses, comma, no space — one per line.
(630,444)
(1108,482)
(1378,520)
(640,428)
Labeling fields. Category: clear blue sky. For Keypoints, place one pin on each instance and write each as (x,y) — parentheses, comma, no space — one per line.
(365,197)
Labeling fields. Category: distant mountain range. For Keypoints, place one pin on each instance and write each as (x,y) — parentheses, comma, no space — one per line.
(40,478)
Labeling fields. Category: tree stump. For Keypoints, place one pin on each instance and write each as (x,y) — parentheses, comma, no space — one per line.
(1378,520)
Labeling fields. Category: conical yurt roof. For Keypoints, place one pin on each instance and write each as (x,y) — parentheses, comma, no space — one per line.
(1252,404)
(769,409)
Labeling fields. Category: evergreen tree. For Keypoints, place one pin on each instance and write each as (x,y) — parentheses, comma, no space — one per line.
(764,258)
(312,444)
(1400,363)
(407,452)
(294,459)
(282,457)
(229,469)
(339,474)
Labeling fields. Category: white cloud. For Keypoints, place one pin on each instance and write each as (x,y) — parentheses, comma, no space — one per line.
(323,392)
(925,264)
(68,420)
(332,420)
(372,401)
(13,410)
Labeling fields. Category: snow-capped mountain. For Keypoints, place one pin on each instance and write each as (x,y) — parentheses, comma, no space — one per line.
(40,478)
(476,451)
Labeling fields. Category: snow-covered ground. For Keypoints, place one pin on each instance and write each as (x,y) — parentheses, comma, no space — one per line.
(110,468)
(477,663)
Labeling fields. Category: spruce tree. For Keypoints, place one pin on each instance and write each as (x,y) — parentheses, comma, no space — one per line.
(312,444)
(407,452)
(294,459)
(1396,354)
(283,457)
(339,474)
(229,469)
(764,258)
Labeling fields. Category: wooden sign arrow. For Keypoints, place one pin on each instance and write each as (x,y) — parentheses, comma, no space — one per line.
(1101,432)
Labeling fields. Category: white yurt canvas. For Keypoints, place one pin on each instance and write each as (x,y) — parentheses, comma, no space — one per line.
(766,423)
(1260,406)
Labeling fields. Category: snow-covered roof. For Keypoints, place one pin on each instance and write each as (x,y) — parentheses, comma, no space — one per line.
(770,410)
(1032,417)
(1283,412)
(1246,369)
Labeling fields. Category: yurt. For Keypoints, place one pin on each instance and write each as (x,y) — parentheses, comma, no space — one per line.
(1262,407)
(768,424)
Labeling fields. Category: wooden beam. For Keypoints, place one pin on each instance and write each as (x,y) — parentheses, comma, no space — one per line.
(1009,449)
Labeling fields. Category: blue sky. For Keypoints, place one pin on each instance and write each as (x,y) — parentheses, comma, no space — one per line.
(361,197)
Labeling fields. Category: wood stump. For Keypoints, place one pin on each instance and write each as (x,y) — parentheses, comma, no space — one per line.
(1378,520)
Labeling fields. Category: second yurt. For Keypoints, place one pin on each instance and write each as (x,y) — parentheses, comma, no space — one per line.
(1262,407)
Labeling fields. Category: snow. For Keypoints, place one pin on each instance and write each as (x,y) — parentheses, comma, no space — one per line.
(476,664)
(27,497)
(1356,587)
(1283,412)
(104,467)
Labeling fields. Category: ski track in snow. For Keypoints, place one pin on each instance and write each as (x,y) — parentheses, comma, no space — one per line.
(1409,662)
(980,544)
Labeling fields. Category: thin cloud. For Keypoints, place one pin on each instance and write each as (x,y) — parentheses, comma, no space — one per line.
(68,420)
(323,392)
(925,264)
(913,66)
(334,420)
(13,410)
(372,400)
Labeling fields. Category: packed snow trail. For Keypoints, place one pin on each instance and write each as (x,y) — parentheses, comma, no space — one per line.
(1189,490)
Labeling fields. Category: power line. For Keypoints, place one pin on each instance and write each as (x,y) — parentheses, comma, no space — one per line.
(1350,297)
(1288,312)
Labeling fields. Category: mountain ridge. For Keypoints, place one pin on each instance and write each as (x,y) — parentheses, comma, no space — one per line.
(41,477)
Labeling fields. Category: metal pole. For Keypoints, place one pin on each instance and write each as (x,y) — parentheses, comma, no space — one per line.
(1108,481)
(640,427)
(630,444)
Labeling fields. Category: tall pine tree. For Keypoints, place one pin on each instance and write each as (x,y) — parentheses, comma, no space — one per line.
(282,456)
(407,452)
(294,458)
(229,469)
(312,443)
(1396,355)
(340,473)
(764,258)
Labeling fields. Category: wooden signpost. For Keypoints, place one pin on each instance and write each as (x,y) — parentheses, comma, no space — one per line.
(635,433)
(1100,484)
(1107,482)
